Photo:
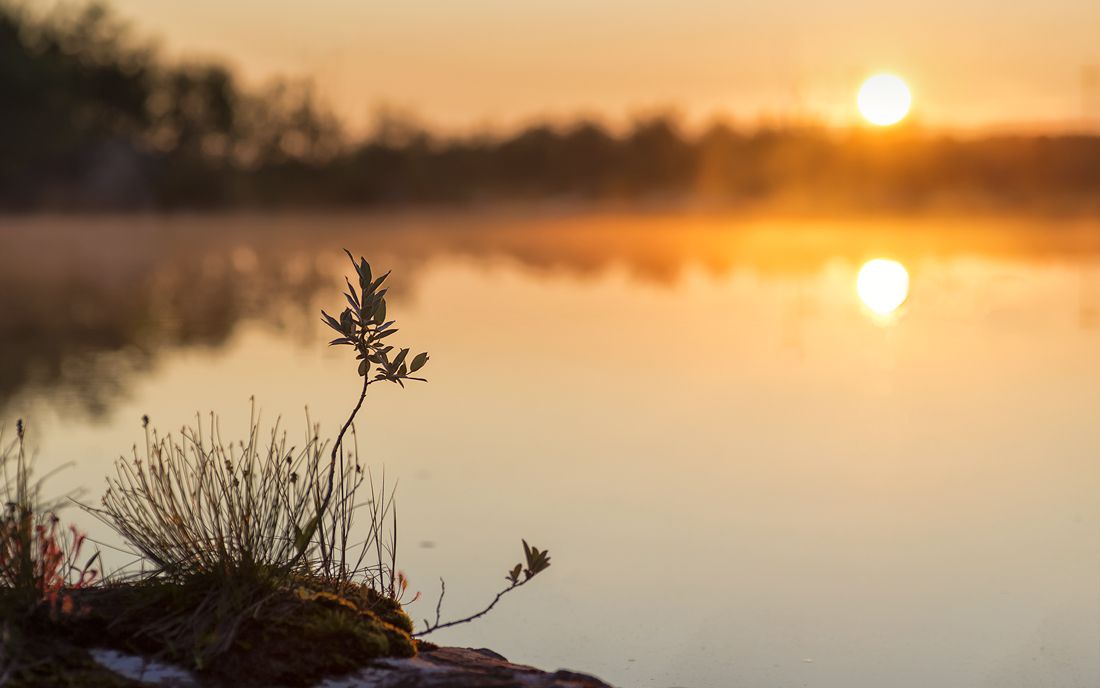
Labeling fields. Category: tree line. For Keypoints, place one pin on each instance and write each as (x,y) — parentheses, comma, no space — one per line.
(91,119)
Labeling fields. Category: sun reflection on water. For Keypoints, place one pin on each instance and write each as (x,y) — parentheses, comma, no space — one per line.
(883,285)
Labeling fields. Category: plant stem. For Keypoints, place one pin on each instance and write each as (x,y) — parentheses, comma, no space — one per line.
(332,465)
(468,619)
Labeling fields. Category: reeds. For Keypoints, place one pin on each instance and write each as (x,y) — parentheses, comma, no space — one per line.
(340,562)
(197,506)
(228,531)
(38,558)
(249,512)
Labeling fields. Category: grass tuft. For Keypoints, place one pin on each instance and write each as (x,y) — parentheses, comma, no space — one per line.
(233,514)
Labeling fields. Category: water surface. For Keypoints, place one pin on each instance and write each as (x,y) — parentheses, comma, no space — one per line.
(744,476)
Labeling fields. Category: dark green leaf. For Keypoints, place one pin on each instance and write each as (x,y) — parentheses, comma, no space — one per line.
(380,314)
(352,259)
(401,356)
(364,274)
(513,575)
(363,368)
(330,321)
(536,561)
(380,280)
(302,537)
(418,362)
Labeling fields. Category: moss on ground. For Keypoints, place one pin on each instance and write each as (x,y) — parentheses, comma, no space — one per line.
(55,663)
(292,637)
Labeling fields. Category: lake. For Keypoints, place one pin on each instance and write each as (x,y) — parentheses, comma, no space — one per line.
(744,475)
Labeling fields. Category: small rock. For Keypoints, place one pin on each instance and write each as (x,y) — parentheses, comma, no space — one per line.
(444,667)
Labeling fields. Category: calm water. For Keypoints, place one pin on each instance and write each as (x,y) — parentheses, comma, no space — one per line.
(744,476)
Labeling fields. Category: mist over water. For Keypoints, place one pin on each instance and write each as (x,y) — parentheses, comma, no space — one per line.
(744,475)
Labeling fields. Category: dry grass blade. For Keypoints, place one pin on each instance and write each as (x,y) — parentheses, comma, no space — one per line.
(195,506)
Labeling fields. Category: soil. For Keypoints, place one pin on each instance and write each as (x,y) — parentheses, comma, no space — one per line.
(288,638)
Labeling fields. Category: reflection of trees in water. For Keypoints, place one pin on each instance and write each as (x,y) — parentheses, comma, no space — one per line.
(88,303)
(81,338)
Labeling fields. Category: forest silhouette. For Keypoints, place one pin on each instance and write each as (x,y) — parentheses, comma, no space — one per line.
(91,119)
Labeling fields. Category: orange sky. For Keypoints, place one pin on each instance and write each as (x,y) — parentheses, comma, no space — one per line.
(500,63)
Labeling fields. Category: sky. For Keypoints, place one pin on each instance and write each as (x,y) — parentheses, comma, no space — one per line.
(498,64)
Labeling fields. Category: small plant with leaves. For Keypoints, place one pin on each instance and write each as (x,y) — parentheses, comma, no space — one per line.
(363,326)
(537,562)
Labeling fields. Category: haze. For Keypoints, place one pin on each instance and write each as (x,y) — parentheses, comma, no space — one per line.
(971,64)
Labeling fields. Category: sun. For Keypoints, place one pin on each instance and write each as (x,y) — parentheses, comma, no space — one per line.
(884,99)
(883,285)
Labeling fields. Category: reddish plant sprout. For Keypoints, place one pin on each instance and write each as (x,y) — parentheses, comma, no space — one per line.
(41,559)
(402,586)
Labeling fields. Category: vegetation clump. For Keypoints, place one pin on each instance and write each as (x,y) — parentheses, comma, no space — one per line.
(248,573)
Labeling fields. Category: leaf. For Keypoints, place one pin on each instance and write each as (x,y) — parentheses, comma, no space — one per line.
(302,537)
(400,357)
(330,321)
(363,368)
(513,575)
(402,371)
(418,362)
(352,259)
(364,274)
(353,300)
(341,340)
(380,280)
(382,335)
(536,561)
(380,314)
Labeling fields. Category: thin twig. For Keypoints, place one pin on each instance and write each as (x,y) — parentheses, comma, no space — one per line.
(483,612)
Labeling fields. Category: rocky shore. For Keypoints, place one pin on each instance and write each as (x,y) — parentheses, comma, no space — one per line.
(443,667)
